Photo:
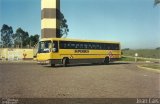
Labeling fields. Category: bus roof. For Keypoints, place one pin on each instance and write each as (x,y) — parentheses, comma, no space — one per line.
(79,40)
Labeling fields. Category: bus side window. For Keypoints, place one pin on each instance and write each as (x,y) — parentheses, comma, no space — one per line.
(90,46)
(77,45)
(72,45)
(86,46)
(55,46)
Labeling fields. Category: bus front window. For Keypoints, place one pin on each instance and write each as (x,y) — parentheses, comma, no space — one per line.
(44,46)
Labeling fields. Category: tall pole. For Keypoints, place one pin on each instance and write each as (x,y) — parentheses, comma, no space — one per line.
(50,14)
(21,40)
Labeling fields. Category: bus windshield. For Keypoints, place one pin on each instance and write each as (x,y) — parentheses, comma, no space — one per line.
(44,46)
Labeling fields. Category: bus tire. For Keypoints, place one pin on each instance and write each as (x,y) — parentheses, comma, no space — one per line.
(106,60)
(65,61)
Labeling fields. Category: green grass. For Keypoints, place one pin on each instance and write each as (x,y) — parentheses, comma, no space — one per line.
(146,53)
(127,59)
(131,59)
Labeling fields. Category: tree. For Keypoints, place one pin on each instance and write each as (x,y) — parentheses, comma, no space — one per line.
(34,40)
(0,44)
(125,49)
(156,2)
(63,26)
(158,48)
(21,38)
(6,36)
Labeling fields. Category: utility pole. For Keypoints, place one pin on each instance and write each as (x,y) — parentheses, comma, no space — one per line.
(21,41)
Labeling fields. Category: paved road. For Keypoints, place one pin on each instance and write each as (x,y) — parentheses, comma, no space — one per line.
(27,80)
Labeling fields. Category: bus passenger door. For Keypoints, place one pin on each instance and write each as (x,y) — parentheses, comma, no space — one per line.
(55,47)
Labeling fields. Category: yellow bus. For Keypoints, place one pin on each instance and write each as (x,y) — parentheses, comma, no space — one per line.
(66,51)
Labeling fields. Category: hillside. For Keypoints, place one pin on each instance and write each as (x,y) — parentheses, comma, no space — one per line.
(147,53)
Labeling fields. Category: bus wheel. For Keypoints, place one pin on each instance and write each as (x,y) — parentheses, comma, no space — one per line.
(106,60)
(65,61)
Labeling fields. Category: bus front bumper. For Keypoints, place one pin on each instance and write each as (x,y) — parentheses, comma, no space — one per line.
(45,62)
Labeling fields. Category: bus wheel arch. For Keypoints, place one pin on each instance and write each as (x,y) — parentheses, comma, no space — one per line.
(52,65)
(65,61)
(106,60)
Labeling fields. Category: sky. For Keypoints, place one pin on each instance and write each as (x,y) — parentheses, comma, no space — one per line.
(133,23)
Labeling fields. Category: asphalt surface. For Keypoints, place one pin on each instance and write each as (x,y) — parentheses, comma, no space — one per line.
(118,80)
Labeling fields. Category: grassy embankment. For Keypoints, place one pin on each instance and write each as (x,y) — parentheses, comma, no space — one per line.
(149,54)
(153,66)
(143,55)
(146,53)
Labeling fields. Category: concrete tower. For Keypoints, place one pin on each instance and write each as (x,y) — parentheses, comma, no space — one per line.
(50,11)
